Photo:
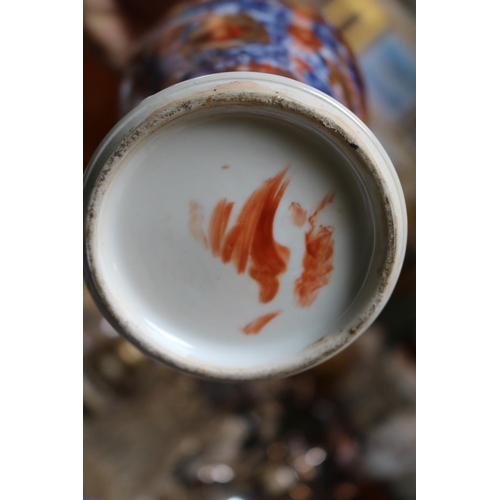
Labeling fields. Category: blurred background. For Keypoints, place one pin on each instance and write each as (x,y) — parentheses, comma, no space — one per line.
(344,430)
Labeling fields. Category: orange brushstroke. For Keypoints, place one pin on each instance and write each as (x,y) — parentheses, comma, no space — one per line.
(323,203)
(218,225)
(252,238)
(196,219)
(318,259)
(298,214)
(256,325)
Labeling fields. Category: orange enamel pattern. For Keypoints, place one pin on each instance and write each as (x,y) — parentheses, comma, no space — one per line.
(251,238)
(218,225)
(250,244)
(196,219)
(318,259)
(256,325)
(298,214)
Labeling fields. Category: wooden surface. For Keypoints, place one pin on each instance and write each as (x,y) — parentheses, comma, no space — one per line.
(100,103)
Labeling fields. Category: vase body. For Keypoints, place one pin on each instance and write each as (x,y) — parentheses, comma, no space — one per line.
(200,38)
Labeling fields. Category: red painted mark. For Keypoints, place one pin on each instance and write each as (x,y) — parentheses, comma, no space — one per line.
(250,243)
(256,325)
(225,167)
(298,214)
(218,225)
(252,238)
(196,219)
(318,259)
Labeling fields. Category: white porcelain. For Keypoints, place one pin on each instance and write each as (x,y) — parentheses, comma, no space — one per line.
(151,258)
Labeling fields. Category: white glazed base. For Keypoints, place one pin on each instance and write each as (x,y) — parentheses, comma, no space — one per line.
(157,278)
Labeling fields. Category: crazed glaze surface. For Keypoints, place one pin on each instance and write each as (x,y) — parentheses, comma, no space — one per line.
(188,306)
